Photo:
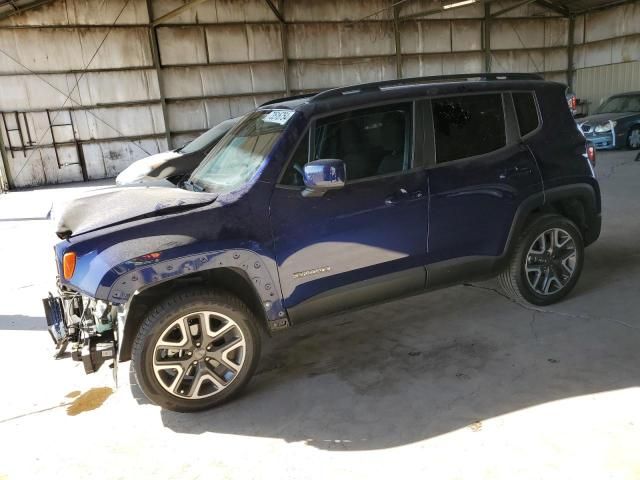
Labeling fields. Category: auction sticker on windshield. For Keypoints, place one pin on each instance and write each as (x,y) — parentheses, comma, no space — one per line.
(279,116)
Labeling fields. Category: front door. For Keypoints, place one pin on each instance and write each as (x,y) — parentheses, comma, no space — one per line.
(362,243)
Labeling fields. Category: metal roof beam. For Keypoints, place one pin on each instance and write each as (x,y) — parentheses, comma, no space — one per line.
(24,8)
(512,7)
(548,4)
(275,11)
(615,3)
(175,13)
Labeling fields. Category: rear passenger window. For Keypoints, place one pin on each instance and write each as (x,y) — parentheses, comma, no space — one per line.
(468,126)
(526,111)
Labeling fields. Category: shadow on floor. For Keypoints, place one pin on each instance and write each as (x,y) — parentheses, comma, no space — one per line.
(414,369)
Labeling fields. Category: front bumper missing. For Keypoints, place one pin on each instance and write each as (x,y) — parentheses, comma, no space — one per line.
(56,325)
(93,340)
(602,141)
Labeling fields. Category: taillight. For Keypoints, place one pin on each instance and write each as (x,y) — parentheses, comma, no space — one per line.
(591,155)
(573,103)
(68,265)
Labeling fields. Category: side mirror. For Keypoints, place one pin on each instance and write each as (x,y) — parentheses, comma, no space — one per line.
(323,175)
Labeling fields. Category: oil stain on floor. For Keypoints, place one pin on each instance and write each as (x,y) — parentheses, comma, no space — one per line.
(89,400)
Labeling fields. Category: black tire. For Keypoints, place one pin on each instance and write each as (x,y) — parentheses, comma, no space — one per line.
(513,279)
(166,313)
(630,138)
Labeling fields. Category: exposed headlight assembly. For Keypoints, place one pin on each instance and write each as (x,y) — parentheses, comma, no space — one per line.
(605,127)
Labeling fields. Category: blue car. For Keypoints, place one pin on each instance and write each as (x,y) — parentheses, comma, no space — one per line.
(616,124)
(319,204)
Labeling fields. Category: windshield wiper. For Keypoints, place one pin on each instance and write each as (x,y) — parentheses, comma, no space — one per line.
(193,186)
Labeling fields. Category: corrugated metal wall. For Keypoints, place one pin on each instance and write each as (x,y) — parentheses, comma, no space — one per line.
(222,58)
(607,57)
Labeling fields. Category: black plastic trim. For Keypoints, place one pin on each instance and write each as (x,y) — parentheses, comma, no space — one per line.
(360,294)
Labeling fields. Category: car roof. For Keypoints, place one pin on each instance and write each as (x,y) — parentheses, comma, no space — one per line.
(362,94)
(625,94)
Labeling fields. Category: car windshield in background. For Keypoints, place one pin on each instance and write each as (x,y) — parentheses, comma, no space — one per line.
(238,156)
(209,137)
(622,104)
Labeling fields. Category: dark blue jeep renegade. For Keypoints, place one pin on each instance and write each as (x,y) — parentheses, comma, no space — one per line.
(317,204)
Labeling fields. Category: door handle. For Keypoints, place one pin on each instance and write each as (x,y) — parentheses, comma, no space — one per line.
(402,195)
(515,171)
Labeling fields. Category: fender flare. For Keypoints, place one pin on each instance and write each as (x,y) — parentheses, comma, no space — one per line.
(143,277)
(584,191)
(129,285)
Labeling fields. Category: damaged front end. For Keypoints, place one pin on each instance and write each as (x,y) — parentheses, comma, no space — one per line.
(87,325)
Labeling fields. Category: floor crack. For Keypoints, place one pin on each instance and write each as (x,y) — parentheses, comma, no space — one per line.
(532,325)
(614,167)
(5,420)
(552,312)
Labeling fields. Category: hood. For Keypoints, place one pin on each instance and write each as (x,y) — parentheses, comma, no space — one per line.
(140,168)
(604,117)
(111,206)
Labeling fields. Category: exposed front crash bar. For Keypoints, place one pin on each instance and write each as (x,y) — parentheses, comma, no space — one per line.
(90,326)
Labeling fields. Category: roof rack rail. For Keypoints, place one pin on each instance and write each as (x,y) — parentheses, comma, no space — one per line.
(367,87)
(286,99)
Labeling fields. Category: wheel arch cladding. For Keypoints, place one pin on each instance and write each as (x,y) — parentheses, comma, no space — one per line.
(239,272)
(578,202)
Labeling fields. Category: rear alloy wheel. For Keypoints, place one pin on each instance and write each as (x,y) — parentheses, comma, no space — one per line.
(546,263)
(196,350)
(633,140)
(551,261)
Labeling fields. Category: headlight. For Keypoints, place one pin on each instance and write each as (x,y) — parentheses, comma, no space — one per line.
(605,127)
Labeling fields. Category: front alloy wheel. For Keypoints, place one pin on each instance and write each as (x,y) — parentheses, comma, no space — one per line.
(199,355)
(196,350)
(634,138)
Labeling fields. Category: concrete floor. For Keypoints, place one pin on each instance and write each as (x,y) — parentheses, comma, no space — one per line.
(459,383)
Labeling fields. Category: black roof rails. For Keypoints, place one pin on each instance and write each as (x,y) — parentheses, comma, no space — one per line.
(286,99)
(367,87)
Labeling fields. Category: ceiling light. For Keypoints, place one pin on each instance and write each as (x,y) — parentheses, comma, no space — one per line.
(459,4)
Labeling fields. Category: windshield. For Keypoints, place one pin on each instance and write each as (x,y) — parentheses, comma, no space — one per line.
(238,156)
(209,138)
(625,103)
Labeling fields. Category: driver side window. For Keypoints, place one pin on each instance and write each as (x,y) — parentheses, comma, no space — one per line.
(293,174)
(371,142)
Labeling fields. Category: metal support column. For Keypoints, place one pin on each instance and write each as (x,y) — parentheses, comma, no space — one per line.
(284,42)
(4,167)
(155,53)
(570,49)
(396,32)
(486,38)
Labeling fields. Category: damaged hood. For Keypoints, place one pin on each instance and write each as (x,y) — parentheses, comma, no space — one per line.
(111,206)
(139,169)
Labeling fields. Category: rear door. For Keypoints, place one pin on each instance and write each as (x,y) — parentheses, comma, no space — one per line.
(480,173)
(367,241)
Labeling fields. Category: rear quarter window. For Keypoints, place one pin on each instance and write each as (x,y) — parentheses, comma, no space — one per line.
(526,111)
